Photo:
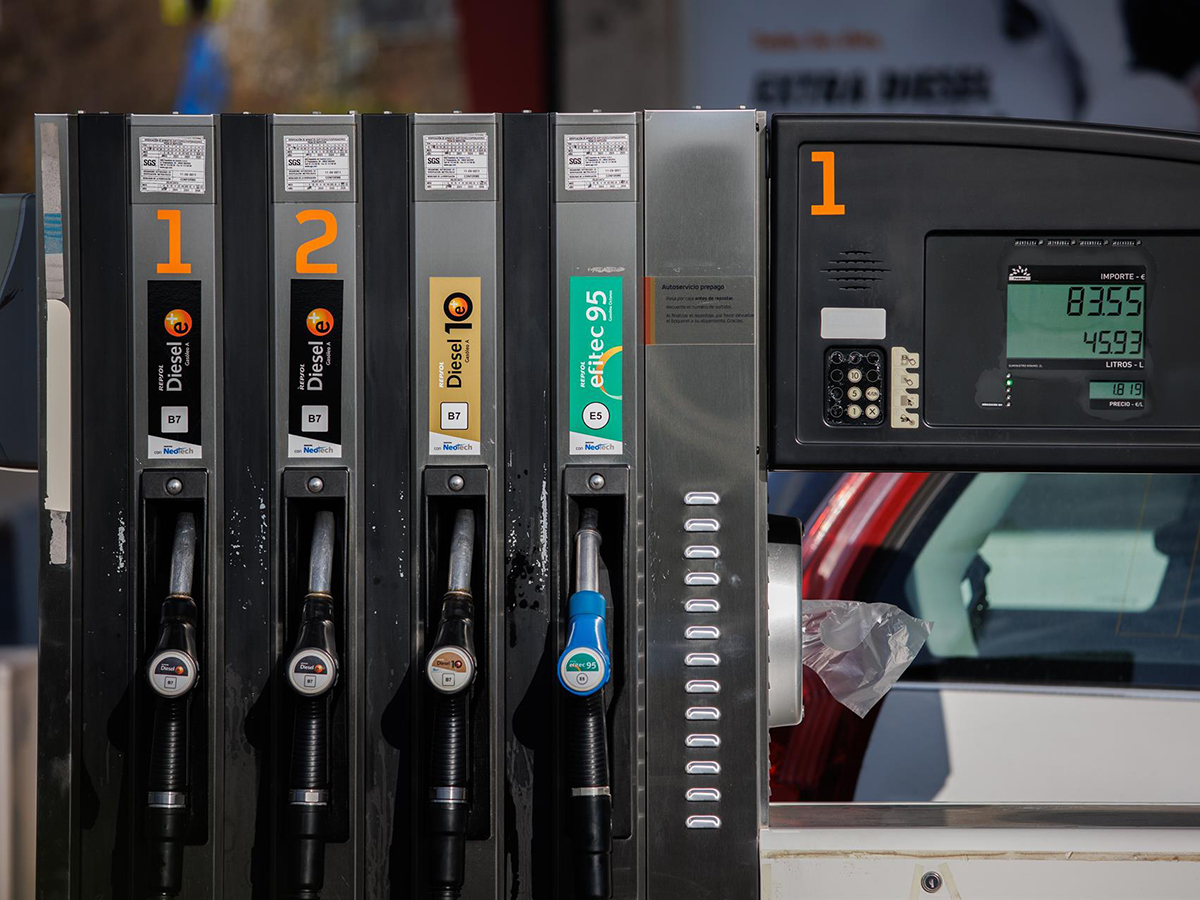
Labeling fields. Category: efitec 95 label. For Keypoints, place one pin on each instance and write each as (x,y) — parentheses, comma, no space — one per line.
(455,317)
(596,365)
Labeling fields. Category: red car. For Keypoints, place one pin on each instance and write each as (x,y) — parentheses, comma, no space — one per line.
(1066,619)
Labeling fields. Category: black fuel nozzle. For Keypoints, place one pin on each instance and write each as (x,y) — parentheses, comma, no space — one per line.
(172,673)
(584,668)
(450,669)
(312,671)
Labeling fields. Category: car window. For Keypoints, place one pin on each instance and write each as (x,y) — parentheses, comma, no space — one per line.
(1046,577)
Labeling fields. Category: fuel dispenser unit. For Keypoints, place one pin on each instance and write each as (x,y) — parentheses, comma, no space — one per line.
(597,508)
(404,520)
(457,428)
(317,306)
(132,656)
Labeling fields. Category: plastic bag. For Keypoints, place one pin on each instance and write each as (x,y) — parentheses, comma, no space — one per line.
(860,649)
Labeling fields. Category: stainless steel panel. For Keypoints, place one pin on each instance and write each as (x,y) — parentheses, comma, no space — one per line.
(458,234)
(704,432)
(599,233)
(289,234)
(199,242)
(343,870)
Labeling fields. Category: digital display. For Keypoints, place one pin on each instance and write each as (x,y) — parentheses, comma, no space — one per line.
(1116,390)
(1077,316)
(1117,394)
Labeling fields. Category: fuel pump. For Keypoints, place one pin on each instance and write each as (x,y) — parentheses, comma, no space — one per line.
(172,673)
(312,672)
(457,368)
(318,743)
(584,669)
(450,669)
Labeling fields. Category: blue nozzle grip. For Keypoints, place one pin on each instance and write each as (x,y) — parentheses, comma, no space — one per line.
(584,666)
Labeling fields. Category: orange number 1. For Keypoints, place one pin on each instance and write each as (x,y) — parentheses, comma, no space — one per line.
(327,237)
(174,264)
(828,206)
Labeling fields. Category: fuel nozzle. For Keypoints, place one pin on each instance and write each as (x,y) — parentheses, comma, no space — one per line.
(450,669)
(172,673)
(584,669)
(312,672)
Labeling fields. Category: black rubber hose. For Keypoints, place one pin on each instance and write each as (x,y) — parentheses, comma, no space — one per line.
(448,764)
(591,802)
(587,742)
(310,745)
(168,747)
(166,826)
(447,819)
(309,771)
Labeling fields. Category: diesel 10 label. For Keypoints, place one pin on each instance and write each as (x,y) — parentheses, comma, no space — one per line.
(455,318)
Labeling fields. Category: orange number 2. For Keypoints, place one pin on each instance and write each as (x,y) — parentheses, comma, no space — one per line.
(327,237)
(174,264)
(828,205)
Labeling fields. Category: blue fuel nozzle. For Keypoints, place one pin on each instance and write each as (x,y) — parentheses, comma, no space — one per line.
(584,666)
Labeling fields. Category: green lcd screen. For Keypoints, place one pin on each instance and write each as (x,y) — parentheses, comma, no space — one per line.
(1076,318)
(1116,390)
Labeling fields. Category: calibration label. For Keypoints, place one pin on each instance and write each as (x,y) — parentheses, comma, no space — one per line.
(597,162)
(173,408)
(316,162)
(596,365)
(454,366)
(315,371)
(171,165)
(456,162)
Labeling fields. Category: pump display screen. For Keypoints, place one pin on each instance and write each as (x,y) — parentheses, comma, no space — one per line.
(1117,394)
(1076,316)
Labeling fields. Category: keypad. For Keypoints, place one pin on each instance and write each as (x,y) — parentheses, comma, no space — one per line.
(855,386)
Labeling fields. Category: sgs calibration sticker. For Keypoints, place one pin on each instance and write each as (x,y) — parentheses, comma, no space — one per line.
(454,366)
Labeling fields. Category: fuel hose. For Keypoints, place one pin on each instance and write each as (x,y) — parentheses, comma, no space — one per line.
(450,670)
(584,668)
(312,673)
(172,673)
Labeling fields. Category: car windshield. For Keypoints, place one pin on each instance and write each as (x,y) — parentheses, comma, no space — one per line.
(1080,578)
